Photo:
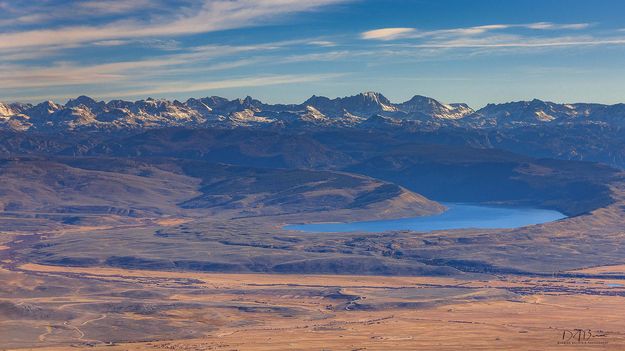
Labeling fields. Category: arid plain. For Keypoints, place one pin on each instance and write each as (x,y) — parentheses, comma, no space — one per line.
(56,307)
(144,310)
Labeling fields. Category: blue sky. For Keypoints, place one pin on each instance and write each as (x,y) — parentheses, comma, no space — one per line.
(474,51)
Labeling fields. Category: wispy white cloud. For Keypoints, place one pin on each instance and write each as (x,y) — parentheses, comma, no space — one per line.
(495,37)
(554,26)
(197,60)
(113,42)
(36,32)
(212,15)
(192,86)
(168,44)
(47,12)
(387,34)
(323,43)
(520,42)
(114,6)
(321,56)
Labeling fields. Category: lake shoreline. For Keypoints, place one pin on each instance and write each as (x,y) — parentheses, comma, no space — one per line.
(457,216)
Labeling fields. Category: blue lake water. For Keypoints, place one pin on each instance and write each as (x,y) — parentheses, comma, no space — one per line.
(458,216)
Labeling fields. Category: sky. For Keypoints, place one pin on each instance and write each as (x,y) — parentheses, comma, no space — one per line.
(472,51)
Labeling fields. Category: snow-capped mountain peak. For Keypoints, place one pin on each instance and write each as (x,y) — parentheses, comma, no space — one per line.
(367,109)
(5,110)
(425,107)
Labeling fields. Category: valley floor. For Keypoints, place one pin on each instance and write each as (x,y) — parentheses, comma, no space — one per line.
(58,308)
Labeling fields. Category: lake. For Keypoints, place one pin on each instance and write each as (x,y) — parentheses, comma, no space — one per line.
(457,216)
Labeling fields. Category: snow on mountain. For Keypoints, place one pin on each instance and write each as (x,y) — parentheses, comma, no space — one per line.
(460,110)
(72,118)
(362,105)
(422,107)
(19,123)
(19,108)
(247,117)
(536,112)
(5,110)
(368,110)
(11,117)
(86,102)
(378,121)
(214,102)
(42,111)
(201,107)
(313,115)
(377,100)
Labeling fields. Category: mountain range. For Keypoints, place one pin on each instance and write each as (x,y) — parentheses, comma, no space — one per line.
(366,110)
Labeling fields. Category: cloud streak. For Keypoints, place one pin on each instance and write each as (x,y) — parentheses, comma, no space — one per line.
(46,12)
(212,15)
(495,42)
(14,76)
(190,86)
(194,86)
(166,72)
(387,34)
(494,37)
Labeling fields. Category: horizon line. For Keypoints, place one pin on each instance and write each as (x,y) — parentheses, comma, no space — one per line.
(36,102)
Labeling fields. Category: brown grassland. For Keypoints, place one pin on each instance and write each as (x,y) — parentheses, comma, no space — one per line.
(298,312)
